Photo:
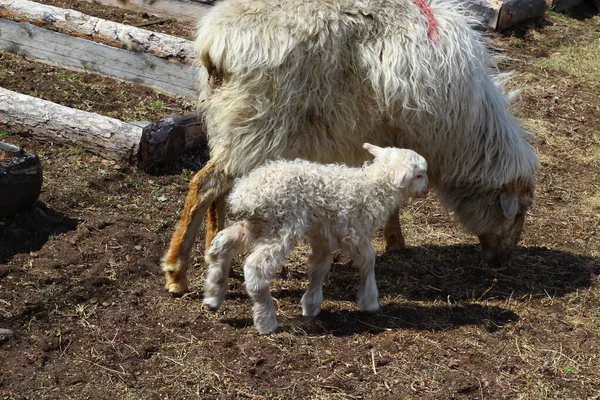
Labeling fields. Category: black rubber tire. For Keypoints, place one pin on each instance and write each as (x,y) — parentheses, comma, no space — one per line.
(20,179)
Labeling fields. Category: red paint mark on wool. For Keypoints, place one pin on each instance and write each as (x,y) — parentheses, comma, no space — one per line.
(432,30)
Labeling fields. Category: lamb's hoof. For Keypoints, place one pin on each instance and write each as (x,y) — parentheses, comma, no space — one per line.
(311,311)
(267,328)
(213,303)
(370,307)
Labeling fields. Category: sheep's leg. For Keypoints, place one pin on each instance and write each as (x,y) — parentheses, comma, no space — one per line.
(259,269)
(392,232)
(215,219)
(207,185)
(224,247)
(319,264)
(368,295)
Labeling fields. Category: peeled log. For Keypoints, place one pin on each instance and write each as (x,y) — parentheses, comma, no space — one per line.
(50,122)
(75,23)
(161,141)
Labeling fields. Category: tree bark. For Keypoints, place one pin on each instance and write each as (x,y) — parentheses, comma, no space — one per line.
(167,139)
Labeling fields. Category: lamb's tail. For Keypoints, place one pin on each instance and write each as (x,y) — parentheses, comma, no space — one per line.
(226,245)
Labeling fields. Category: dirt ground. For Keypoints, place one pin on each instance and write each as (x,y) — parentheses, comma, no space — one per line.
(82,292)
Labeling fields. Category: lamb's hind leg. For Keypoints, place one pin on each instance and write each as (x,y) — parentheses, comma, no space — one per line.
(207,185)
(224,247)
(392,232)
(259,269)
(319,264)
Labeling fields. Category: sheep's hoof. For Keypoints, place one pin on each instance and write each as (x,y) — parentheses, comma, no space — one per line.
(395,246)
(176,288)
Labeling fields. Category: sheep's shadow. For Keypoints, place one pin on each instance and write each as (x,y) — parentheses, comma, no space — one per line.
(393,316)
(456,273)
(30,229)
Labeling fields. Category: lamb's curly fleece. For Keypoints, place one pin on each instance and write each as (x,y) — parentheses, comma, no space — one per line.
(334,206)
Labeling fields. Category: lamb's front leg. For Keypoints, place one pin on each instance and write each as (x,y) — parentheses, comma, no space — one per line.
(319,264)
(368,295)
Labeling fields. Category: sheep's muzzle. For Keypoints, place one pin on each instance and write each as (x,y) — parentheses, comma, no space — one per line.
(496,247)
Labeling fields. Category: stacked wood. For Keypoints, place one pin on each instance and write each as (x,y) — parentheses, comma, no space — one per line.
(140,56)
(77,24)
(79,54)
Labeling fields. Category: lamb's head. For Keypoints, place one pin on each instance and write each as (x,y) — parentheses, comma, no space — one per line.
(495,216)
(408,168)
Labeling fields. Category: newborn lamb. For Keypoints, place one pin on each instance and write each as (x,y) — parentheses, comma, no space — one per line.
(334,206)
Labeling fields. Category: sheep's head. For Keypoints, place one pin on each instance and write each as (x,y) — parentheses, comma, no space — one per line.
(496,217)
(409,168)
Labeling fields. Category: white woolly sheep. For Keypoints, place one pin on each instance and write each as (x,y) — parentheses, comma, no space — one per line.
(314,79)
(334,206)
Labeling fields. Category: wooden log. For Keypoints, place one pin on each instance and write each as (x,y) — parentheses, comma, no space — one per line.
(164,140)
(485,11)
(500,15)
(515,12)
(183,10)
(75,23)
(80,54)
(167,139)
(48,122)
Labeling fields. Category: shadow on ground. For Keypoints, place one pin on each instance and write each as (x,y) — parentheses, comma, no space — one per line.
(453,273)
(393,316)
(457,273)
(30,229)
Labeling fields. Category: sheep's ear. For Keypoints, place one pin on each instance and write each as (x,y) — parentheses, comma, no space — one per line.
(371,148)
(510,205)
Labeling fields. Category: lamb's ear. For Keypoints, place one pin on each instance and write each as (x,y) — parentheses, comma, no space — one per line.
(510,204)
(403,176)
(371,148)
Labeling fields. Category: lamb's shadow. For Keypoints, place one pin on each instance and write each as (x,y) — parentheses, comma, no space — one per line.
(30,229)
(456,273)
(393,316)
